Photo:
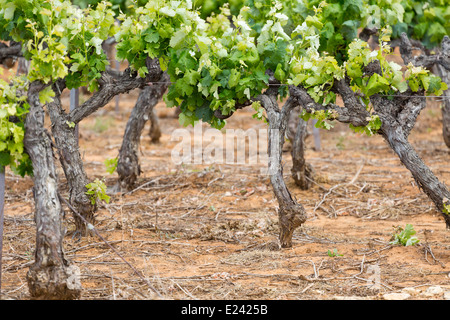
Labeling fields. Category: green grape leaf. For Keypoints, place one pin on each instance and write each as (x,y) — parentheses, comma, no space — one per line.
(5,159)
(376,84)
(234,78)
(279,73)
(10,8)
(177,39)
(185,120)
(151,36)
(204,113)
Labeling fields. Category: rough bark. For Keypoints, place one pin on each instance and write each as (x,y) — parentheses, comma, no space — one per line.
(112,83)
(23,66)
(446,110)
(439,62)
(291,214)
(128,166)
(352,111)
(51,276)
(443,70)
(69,155)
(291,129)
(155,129)
(424,177)
(302,172)
(397,135)
(424,60)
(366,33)
(9,54)
(398,118)
(109,48)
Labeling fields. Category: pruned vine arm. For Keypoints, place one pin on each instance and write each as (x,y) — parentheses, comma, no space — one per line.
(345,114)
(9,54)
(112,85)
(426,61)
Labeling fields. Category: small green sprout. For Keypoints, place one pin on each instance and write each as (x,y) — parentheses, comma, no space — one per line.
(404,236)
(97,191)
(446,204)
(111,165)
(334,253)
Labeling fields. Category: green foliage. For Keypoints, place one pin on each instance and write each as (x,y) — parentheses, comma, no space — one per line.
(61,40)
(370,129)
(225,70)
(215,66)
(13,110)
(117,5)
(420,78)
(206,7)
(446,206)
(392,80)
(217,53)
(321,117)
(404,237)
(426,21)
(111,165)
(70,124)
(259,111)
(96,190)
(334,253)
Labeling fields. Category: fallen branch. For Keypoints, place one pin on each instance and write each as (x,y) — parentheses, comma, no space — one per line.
(427,250)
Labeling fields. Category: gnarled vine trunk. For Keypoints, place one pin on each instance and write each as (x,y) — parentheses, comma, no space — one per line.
(398,118)
(446,115)
(155,129)
(291,214)
(128,166)
(443,70)
(9,54)
(51,276)
(440,63)
(64,131)
(424,177)
(302,172)
(66,141)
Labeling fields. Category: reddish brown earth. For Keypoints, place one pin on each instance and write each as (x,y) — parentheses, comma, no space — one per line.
(204,232)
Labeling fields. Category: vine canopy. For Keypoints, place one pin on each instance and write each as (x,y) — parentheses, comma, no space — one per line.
(217,61)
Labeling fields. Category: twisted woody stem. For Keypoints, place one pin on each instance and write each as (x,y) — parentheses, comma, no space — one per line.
(291,214)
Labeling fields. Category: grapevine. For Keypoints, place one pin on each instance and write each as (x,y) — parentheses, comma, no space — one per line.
(217,58)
